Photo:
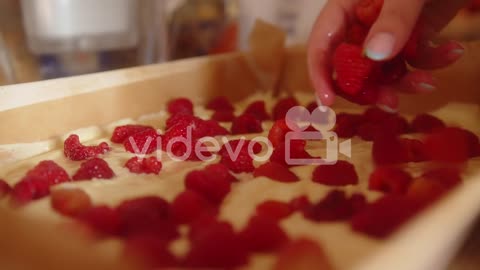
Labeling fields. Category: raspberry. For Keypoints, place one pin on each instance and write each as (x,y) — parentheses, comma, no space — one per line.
(448,177)
(393,70)
(297,151)
(146,165)
(356,34)
(415,149)
(274,209)
(300,203)
(367,11)
(368,95)
(180,106)
(214,188)
(374,114)
(382,217)
(352,68)
(189,206)
(414,42)
(93,168)
(220,104)
(276,172)
(184,119)
(426,123)
(245,124)
(5,188)
(276,135)
(426,191)
(70,202)
(237,159)
(390,180)
(74,150)
(220,171)
(213,128)
(103,219)
(121,133)
(340,174)
(448,145)
(389,149)
(302,254)
(335,207)
(223,116)
(380,123)
(152,251)
(473,142)
(144,142)
(215,246)
(263,234)
(146,216)
(348,124)
(283,106)
(257,109)
(36,184)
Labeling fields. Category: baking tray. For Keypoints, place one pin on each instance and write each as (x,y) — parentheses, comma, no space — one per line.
(41,112)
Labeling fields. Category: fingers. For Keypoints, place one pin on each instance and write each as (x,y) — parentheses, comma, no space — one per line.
(392,29)
(429,57)
(328,30)
(388,99)
(417,81)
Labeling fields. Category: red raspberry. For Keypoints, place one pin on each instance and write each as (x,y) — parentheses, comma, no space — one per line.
(175,119)
(189,206)
(154,252)
(390,180)
(356,34)
(300,203)
(121,133)
(276,172)
(367,11)
(146,165)
(263,234)
(215,245)
(180,106)
(276,135)
(74,150)
(352,68)
(426,191)
(94,168)
(384,216)
(389,149)
(103,219)
(245,124)
(473,142)
(274,209)
(448,177)
(340,174)
(36,184)
(145,139)
(238,159)
(302,254)
(380,123)
(347,124)
(283,106)
(415,149)
(335,207)
(367,96)
(297,151)
(214,188)
(426,123)
(411,49)
(257,109)
(223,116)
(448,145)
(375,114)
(220,171)
(70,202)
(146,216)
(393,70)
(5,188)
(213,128)
(220,104)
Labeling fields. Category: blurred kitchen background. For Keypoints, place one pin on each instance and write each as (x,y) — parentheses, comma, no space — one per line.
(42,39)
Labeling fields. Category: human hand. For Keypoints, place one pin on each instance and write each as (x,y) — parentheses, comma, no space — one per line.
(387,38)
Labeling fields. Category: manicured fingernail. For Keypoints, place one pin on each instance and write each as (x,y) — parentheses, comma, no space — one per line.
(380,46)
(456,53)
(386,108)
(426,86)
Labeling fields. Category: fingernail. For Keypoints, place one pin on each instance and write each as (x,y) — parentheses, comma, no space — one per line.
(386,108)
(426,86)
(456,53)
(380,47)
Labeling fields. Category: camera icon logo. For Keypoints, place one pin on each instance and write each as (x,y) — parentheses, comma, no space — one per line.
(323,120)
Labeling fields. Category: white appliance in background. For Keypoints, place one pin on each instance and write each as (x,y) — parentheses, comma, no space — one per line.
(296,17)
